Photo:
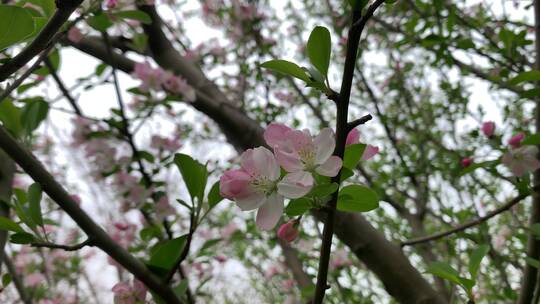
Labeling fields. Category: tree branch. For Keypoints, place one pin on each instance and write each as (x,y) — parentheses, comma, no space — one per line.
(57,193)
(25,297)
(88,242)
(473,222)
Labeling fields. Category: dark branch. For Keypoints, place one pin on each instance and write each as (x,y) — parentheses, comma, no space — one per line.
(470,223)
(88,242)
(360,121)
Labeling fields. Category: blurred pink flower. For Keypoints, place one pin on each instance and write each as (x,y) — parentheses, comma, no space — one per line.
(288,231)
(488,128)
(515,141)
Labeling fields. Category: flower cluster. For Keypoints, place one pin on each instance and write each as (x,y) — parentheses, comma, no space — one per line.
(156,79)
(127,293)
(259,184)
(521,159)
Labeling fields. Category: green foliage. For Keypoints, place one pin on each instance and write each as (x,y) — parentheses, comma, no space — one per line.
(353,154)
(34,203)
(194,173)
(100,22)
(287,68)
(21,238)
(16,23)
(9,225)
(6,279)
(533,139)
(165,254)
(298,206)
(134,15)
(319,49)
(214,196)
(357,198)
(33,113)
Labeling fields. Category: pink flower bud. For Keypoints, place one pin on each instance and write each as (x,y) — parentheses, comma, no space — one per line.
(515,141)
(488,128)
(467,161)
(288,231)
(353,137)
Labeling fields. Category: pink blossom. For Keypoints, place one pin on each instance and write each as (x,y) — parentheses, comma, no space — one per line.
(74,34)
(151,78)
(163,208)
(466,162)
(301,155)
(165,144)
(255,185)
(179,85)
(288,284)
(369,152)
(228,230)
(221,258)
(488,128)
(521,160)
(272,271)
(110,4)
(340,258)
(286,97)
(515,141)
(126,293)
(354,138)
(288,231)
(500,238)
(34,279)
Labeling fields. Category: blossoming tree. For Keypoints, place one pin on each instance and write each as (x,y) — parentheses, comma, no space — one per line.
(228,151)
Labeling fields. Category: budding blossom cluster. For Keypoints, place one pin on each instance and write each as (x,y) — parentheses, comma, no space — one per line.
(258,184)
(130,293)
(157,79)
(520,159)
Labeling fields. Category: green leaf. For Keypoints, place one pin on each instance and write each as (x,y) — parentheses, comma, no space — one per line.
(529,76)
(533,262)
(535,229)
(194,174)
(207,245)
(10,117)
(352,156)
(134,15)
(165,255)
(345,174)
(444,271)
(531,93)
(476,258)
(16,23)
(181,289)
(6,279)
(323,190)
(33,114)
(9,225)
(21,238)
(100,22)
(214,196)
(357,198)
(34,200)
(319,49)
(287,68)
(298,206)
(533,139)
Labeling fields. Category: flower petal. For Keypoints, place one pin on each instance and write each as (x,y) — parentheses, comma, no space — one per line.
(260,162)
(270,212)
(289,159)
(330,167)
(250,202)
(369,152)
(296,185)
(353,137)
(324,144)
(274,135)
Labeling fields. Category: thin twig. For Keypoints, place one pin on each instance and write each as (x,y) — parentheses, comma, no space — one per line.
(471,223)
(360,121)
(88,242)
(62,87)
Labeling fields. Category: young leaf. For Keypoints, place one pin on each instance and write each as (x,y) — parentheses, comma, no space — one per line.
(444,271)
(323,190)
(165,254)
(21,238)
(33,114)
(533,262)
(214,197)
(194,174)
(357,198)
(298,206)
(352,156)
(319,49)
(9,225)
(528,76)
(287,68)
(134,15)
(533,139)
(34,201)
(6,279)
(476,258)
(16,23)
